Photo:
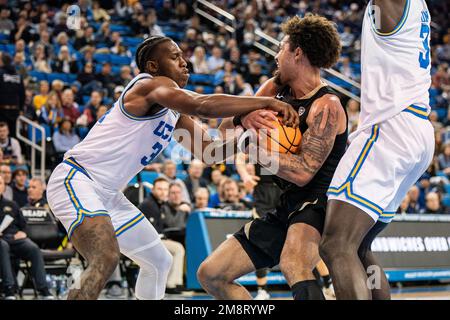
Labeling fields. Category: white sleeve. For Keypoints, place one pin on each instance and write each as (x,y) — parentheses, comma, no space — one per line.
(16,150)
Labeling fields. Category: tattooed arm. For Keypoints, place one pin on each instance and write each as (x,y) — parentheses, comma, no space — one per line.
(326,119)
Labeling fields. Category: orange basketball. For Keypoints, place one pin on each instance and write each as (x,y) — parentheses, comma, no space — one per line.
(284,139)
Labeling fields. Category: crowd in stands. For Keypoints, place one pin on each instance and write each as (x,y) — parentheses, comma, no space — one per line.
(70,78)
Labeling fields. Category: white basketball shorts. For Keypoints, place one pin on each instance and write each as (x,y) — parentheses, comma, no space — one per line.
(383,162)
(72,195)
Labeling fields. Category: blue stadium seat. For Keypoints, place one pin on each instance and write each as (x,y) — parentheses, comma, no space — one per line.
(208,89)
(198,78)
(131,41)
(59,76)
(4,37)
(38,75)
(83,131)
(447,188)
(181,175)
(446,200)
(119,60)
(133,181)
(71,77)
(441,174)
(149,176)
(115,70)
(102,57)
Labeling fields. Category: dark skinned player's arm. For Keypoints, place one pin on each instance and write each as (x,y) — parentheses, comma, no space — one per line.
(198,140)
(267,89)
(164,91)
(391,12)
(326,119)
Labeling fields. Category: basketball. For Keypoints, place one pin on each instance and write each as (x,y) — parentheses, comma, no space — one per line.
(284,139)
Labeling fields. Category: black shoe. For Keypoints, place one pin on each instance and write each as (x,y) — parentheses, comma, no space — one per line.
(10,293)
(175,290)
(44,294)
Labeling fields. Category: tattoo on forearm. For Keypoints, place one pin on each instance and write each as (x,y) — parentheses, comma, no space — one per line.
(316,144)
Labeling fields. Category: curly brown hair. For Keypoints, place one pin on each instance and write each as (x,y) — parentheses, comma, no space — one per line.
(316,36)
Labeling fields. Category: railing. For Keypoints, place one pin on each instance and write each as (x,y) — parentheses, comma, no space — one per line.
(230,26)
(259,43)
(33,143)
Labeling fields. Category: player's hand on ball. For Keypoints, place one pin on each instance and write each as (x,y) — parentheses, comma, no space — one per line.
(260,119)
(289,116)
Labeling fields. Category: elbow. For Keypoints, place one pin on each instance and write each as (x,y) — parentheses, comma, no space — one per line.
(302,180)
(203,110)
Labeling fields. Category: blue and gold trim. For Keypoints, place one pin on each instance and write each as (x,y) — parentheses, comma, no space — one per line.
(420,112)
(81,211)
(347,186)
(131,223)
(398,27)
(133,117)
(71,162)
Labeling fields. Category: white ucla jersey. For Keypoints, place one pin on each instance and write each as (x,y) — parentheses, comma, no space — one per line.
(120,144)
(395,66)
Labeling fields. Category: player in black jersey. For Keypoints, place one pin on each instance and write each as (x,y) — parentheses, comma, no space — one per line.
(290,235)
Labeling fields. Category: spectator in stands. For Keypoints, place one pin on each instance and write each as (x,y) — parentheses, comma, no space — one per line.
(106,78)
(44,40)
(64,138)
(36,196)
(216,178)
(6,174)
(414,194)
(434,119)
(90,110)
(19,186)
(23,30)
(6,24)
(118,92)
(405,206)
(433,204)
(40,61)
(201,199)
(151,206)
(12,152)
(20,65)
(52,112)
(64,63)
(12,93)
(69,106)
(153,28)
(352,114)
(195,179)
(230,196)
(14,241)
(40,99)
(99,14)
(243,88)
(125,76)
(101,111)
(198,60)
(444,159)
(169,172)
(87,79)
(177,210)
(118,47)
(215,61)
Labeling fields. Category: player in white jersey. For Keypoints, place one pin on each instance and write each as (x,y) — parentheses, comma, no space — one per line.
(393,146)
(84,191)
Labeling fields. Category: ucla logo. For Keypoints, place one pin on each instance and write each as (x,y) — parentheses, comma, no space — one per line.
(73,17)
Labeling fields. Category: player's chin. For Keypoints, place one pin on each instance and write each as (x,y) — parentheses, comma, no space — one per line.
(183,80)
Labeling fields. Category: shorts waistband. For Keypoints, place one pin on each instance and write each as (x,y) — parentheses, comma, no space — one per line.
(420,112)
(74,164)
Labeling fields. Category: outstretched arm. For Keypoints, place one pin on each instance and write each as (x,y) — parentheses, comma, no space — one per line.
(325,120)
(197,140)
(164,91)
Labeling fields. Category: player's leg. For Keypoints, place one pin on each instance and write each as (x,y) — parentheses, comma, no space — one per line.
(299,257)
(217,274)
(95,240)
(345,228)
(380,288)
(75,201)
(139,241)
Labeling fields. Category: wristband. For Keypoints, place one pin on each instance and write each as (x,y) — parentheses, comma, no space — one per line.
(237,121)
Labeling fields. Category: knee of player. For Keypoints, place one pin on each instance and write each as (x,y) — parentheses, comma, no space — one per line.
(108,259)
(330,248)
(166,261)
(208,275)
